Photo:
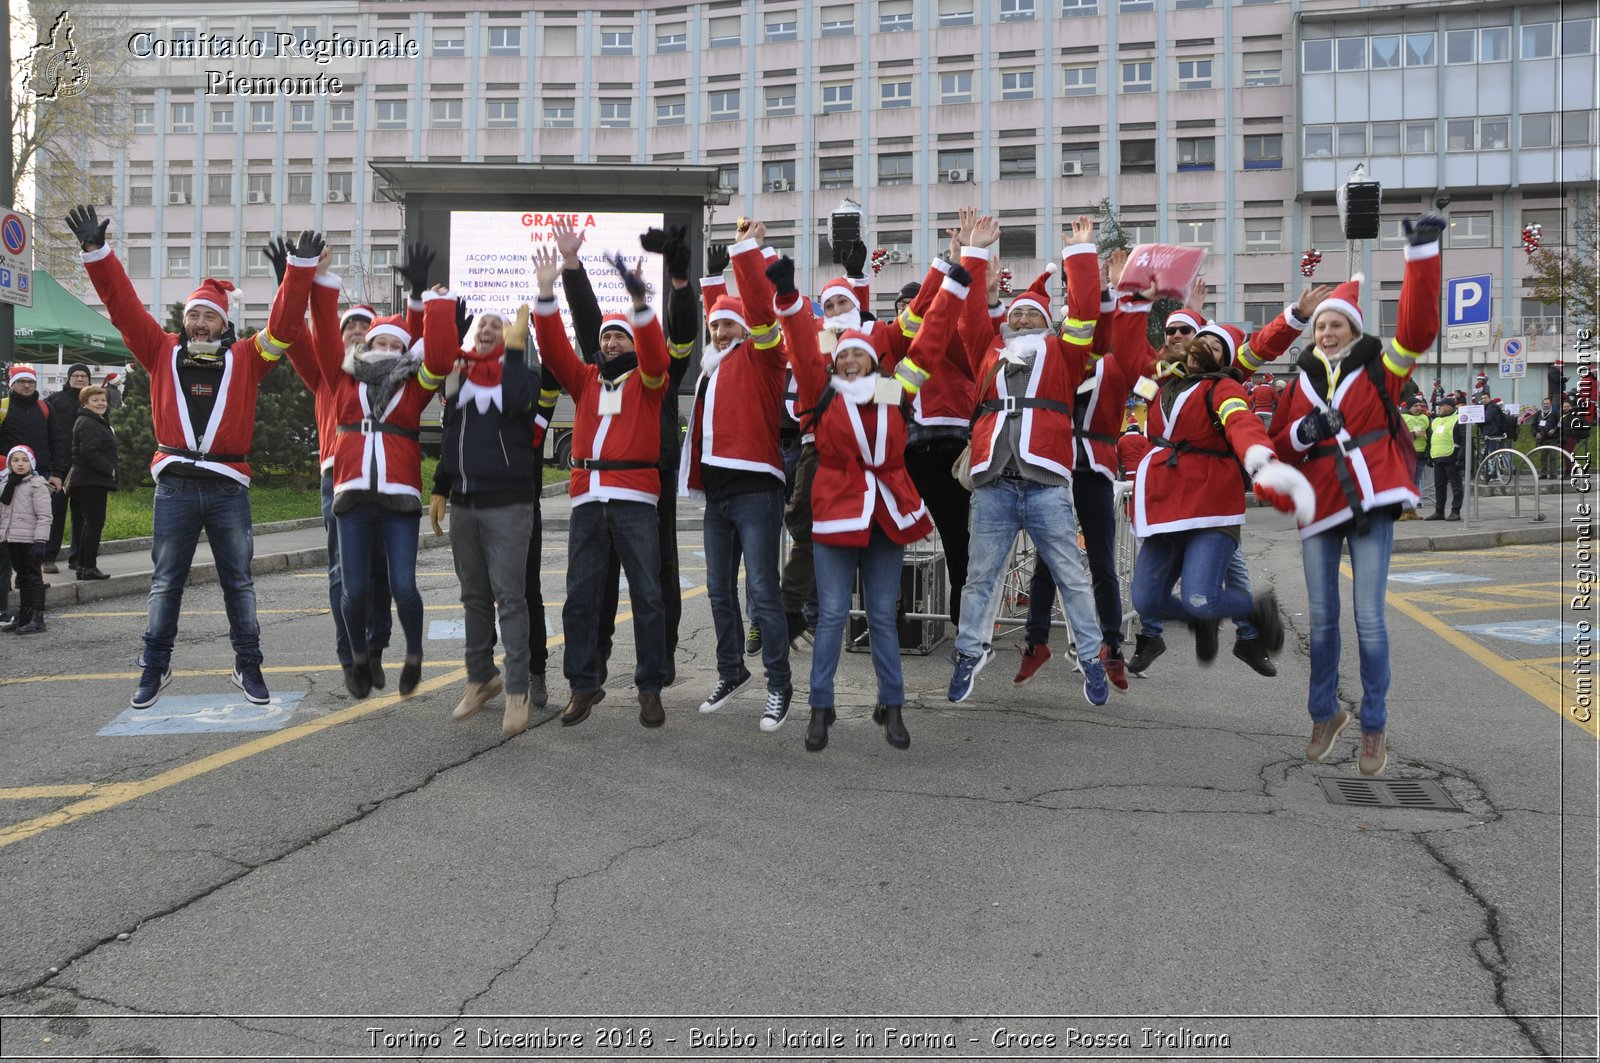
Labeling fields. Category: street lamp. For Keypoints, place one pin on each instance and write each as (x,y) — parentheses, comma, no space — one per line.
(1441,200)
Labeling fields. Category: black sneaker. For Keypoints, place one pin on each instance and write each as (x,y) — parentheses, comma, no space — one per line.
(797,627)
(1205,639)
(752,641)
(151,684)
(1146,648)
(724,690)
(1254,653)
(1268,622)
(247,677)
(777,709)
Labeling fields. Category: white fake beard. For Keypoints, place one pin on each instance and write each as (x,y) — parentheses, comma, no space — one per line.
(842,322)
(859,391)
(1024,348)
(711,358)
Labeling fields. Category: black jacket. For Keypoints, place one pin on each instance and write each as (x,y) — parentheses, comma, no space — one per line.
(94,452)
(1547,428)
(64,407)
(27,423)
(490,457)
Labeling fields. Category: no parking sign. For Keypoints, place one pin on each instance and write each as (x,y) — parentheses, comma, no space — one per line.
(1513,360)
(16,259)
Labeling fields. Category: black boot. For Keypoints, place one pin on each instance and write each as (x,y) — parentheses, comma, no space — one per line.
(1146,648)
(1254,653)
(410,675)
(18,619)
(35,624)
(358,679)
(1268,622)
(817,736)
(375,670)
(1205,639)
(894,728)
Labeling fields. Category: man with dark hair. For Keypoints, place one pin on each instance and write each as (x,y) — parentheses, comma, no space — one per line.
(63,415)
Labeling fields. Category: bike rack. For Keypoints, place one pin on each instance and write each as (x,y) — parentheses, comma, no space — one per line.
(1570,459)
(1516,496)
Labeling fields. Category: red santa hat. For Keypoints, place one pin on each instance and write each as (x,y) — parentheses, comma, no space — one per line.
(1037,295)
(616,321)
(728,308)
(23,371)
(394,325)
(1184,316)
(212,294)
(856,340)
(358,310)
(24,448)
(1346,299)
(111,378)
(1232,339)
(840,286)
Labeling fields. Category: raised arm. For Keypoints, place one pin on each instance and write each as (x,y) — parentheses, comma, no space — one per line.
(712,285)
(800,326)
(555,349)
(583,309)
(755,291)
(143,336)
(648,342)
(288,315)
(440,348)
(1419,300)
(1080,265)
(415,270)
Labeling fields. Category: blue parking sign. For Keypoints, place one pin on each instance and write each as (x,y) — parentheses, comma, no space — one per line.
(1468,300)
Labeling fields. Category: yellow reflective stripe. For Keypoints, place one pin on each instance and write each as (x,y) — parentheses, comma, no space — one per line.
(1077,332)
(911,375)
(767,343)
(909,323)
(549,397)
(270,347)
(652,382)
(428,379)
(762,330)
(1230,407)
(1399,367)
(1247,359)
(681,350)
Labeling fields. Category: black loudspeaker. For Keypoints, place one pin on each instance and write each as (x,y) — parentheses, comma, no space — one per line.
(844,229)
(1359,203)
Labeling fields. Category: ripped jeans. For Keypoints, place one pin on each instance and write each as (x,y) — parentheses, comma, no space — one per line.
(1200,560)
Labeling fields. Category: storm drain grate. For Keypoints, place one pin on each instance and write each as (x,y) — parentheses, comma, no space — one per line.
(1388,793)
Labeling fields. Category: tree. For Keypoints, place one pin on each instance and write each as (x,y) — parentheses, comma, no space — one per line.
(70,104)
(1113,237)
(1564,273)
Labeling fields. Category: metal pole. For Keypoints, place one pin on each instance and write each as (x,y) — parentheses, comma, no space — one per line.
(8,313)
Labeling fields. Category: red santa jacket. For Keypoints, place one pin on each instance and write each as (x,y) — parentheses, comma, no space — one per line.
(1377,464)
(615,456)
(366,456)
(307,354)
(1191,478)
(233,419)
(861,470)
(1046,406)
(734,421)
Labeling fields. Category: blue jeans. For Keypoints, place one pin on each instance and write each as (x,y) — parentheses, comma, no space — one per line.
(631,531)
(363,532)
(1092,495)
(1239,577)
(747,525)
(1200,558)
(379,622)
(879,565)
(1000,509)
(183,507)
(1369,562)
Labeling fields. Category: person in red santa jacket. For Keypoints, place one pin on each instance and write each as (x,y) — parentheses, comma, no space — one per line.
(731,458)
(615,483)
(1342,427)
(865,506)
(203,386)
(1188,500)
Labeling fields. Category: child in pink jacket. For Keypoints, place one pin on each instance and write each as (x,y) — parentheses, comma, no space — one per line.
(24,528)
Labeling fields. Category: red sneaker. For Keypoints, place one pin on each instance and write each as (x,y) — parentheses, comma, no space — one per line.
(1116,668)
(1033,658)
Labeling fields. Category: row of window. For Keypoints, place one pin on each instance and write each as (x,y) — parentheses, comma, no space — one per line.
(222,188)
(1481,133)
(1488,44)
(218,253)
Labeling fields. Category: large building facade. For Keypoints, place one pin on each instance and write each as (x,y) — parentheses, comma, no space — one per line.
(1219,123)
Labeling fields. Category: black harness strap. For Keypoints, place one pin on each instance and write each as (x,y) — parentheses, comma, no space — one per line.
(1010,404)
(606,465)
(368,426)
(201,455)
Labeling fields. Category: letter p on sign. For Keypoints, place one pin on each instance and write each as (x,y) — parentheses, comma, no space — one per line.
(1468,301)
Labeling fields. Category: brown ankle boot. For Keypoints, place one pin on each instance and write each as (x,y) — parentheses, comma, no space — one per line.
(477,695)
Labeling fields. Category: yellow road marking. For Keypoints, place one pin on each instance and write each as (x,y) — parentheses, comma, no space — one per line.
(1536,684)
(32,793)
(114,794)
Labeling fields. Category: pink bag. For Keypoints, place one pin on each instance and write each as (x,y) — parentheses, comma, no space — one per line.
(1170,269)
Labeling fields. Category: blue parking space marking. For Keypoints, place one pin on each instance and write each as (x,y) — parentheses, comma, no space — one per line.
(202,714)
(1535,632)
(456,630)
(1434,579)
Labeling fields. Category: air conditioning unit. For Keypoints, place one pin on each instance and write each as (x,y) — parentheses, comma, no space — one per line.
(1072,168)
(899,256)
(338,196)
(255,197)
(781,185)
(177,199)
(958,177)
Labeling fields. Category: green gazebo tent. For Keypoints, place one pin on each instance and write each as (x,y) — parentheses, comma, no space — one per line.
(60,324)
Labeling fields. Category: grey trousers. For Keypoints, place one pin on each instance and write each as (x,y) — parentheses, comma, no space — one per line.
(491,553)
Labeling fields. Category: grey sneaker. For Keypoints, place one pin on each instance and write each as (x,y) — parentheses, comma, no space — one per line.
(1323,734)
(536,691)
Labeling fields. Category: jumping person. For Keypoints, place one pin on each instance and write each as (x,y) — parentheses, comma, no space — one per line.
(616,456)
(203,387)
(1343,428)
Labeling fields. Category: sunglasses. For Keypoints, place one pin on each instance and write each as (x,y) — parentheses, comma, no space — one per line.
(1180,330)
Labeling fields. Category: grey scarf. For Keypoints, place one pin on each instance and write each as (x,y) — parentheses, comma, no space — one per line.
(383,377)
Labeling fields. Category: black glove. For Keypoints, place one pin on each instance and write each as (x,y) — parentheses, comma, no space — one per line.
(309,245)
(87,227)
(781,274)
(419,260)
(653,241)
(676,252)
(716,260)
(36,552)
(277,252)
(1427,229)
(855,259)
(959,275)
(463,320)
(1318,426)
(635,284)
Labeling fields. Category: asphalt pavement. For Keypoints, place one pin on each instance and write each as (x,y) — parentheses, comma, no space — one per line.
(1161,877)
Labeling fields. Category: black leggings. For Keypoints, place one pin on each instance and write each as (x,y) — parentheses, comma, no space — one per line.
(88,521)
(30,582)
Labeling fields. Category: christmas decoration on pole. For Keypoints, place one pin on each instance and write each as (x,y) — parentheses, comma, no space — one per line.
(1532,237)
(879,258)
(1005,281)
(1309,262)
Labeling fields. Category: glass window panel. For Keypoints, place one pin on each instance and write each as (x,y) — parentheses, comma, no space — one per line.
(1316,57)
(1352,53)
(1494,44)
(1420,49)
(1386,52)
(1461,46)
